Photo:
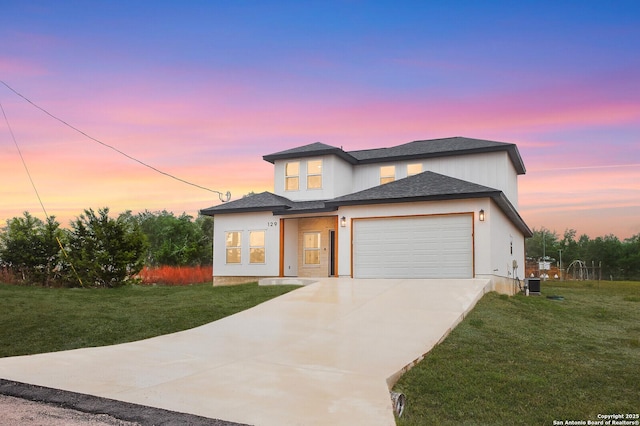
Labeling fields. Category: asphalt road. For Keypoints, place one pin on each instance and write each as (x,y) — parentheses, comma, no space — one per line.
(21,412)
(23,404)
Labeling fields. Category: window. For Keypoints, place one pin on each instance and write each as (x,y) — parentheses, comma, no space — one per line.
(256,247)
(387,174)
(414,169)
(314,174)
(292,176)
(234,246)
(311,248)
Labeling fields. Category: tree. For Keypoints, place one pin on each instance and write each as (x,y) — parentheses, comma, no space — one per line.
(177,241)
(105,252)
(569,247)
(205,224)
(607,252)
(31,248)
(630,258)
(544,243)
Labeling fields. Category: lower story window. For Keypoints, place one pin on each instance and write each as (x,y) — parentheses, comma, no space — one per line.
(311,248)
(233,243)
(256,247)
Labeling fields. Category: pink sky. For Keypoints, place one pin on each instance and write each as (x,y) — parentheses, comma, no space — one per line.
(203,94)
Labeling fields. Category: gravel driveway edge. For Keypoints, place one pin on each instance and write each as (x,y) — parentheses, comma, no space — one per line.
(140,414)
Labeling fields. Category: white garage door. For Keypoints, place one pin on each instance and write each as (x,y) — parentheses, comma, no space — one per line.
(413,247)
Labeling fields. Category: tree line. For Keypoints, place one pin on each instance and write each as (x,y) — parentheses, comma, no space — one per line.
(102,251)
(620,260)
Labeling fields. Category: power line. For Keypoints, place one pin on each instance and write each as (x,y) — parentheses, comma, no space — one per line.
(15,142)
(24,163)
(223,197)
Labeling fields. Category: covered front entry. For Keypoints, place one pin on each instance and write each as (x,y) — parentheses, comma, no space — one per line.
(309,247)
(436,246)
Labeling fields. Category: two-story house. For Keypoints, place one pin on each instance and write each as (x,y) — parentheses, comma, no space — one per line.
(443,208)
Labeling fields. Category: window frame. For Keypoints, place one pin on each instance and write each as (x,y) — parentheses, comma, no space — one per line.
(386,178)
(416,173)
(228,247)
(311,175)
(257,247)
(292,177)
(306,249)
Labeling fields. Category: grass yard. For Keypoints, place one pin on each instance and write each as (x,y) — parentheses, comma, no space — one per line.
(532,360)
(36,319)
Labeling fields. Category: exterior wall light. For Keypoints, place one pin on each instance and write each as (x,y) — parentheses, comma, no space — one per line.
(481,215)
(343,221)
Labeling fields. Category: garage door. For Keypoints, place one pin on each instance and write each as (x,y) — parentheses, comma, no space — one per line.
(413,247)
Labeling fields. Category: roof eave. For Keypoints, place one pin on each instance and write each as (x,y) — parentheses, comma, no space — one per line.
(305,211)
(213,212)
(271,158)
(439,197)
(512,151)
(513,215)
(498,196)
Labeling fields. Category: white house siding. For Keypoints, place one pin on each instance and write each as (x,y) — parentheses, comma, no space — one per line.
(342,175)
(336,179)
(246,222)
(504,238)
(494,258)
(492,169)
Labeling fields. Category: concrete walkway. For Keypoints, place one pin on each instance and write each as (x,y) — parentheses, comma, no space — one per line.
(323,354)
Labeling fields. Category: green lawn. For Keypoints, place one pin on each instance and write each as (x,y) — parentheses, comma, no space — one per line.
(532,360)
(36,319)
(513,360)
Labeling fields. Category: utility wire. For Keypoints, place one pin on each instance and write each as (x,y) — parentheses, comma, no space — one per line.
(24,163)
(15,142)
(223,197)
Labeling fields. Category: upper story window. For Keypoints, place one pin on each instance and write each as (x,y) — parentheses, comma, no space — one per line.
(314,174)
(387,174)
(233,246)
(256,247)
(292,176)
(414,169)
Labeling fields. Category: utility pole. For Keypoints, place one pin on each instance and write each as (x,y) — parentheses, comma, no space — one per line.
(544,250)
(560,250)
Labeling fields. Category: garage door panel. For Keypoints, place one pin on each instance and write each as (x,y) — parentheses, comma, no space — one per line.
(414,247)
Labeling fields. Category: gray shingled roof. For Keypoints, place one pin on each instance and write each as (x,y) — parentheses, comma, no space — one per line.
(423,186)
(430,186)
(412,150)
(426,186)
(311,150)
(265,201)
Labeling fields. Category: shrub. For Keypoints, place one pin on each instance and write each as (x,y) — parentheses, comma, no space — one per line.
(105,252)
(176,275)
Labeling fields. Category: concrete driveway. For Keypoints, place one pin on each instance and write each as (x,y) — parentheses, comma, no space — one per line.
(324,354)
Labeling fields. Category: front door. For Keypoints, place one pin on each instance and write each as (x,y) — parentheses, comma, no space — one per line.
(317,246)
(332,253)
